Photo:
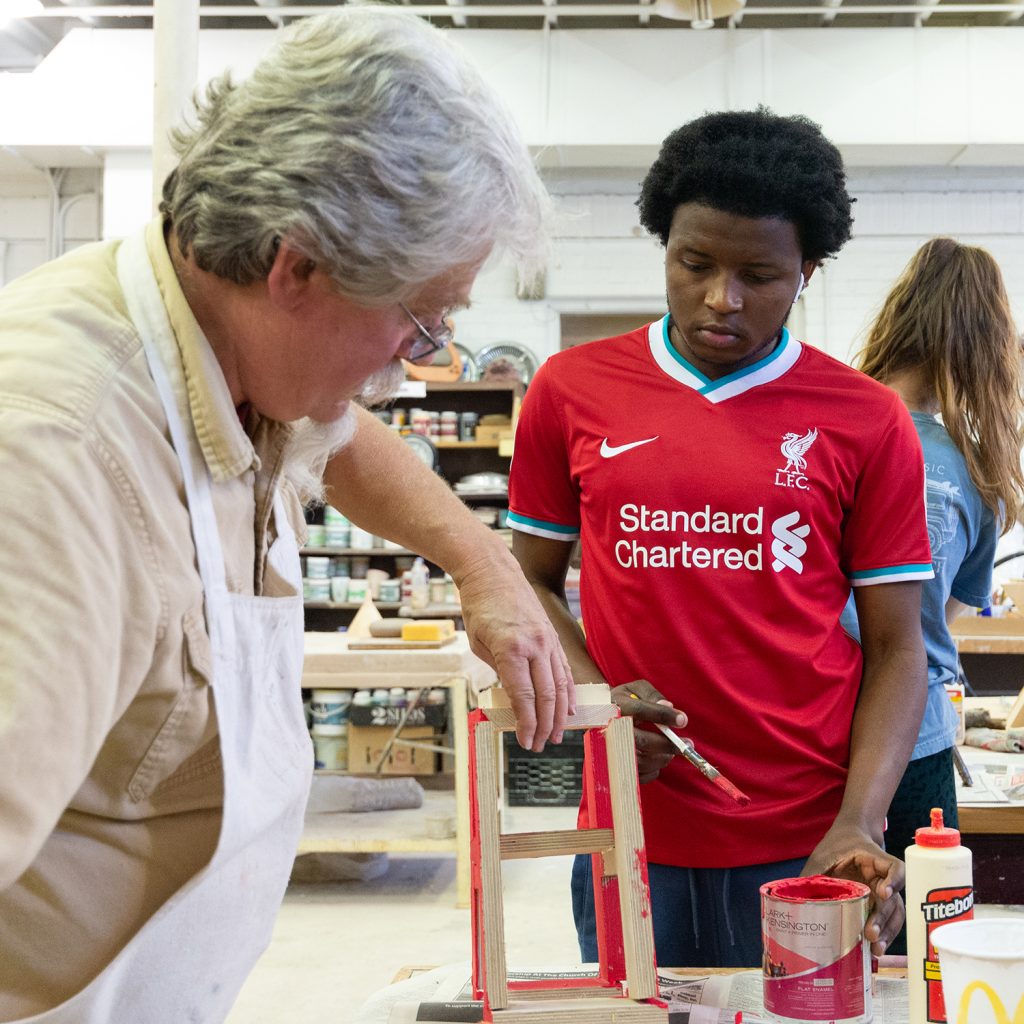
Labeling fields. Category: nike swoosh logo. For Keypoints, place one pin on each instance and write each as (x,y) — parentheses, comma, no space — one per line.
(609,451)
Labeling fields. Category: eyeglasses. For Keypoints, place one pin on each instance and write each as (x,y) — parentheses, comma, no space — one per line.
(426,343)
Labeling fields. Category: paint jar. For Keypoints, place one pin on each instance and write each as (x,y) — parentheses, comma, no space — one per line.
(380,698)
(362,699)
(332,517)
(340,566)
(330,747)
(318,567)
(420,421)
(357,591)
(467,426)
(359,566)
(316,536)
(397,697)
(316,590)
(982,970)
(815,960)
(339,588)
(338,535)
(330,707)
(437,590)
(374,579)
(360,539)
(398,418)
(391,591)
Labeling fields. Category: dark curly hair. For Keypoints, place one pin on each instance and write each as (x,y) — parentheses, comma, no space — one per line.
(753,163)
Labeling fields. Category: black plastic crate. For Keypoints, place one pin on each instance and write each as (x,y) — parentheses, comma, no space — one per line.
(551,778)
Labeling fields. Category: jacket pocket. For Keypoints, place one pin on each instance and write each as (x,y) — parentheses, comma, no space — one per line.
(181,750)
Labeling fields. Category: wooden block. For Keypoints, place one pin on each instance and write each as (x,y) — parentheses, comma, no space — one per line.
(631,861)
(586,693)
(586,1011)
(587,716)
(428,629)
(553,844)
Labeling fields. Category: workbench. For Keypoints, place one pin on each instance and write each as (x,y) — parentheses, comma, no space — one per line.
(330,664)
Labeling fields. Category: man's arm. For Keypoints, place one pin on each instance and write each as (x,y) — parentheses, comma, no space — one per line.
(545,563)
(893,690)
(379,484)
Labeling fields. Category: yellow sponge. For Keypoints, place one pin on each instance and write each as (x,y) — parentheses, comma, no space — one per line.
(428,629)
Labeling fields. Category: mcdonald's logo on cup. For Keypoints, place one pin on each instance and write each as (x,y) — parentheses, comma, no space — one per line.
(982,970)
(999,1011)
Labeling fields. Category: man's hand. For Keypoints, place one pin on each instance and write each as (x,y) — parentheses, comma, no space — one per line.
(849,853)
(643,703)
(508,628)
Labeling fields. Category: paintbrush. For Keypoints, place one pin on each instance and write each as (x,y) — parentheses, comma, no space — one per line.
(708,770)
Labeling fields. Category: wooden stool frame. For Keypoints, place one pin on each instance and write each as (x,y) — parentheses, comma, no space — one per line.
(626,986)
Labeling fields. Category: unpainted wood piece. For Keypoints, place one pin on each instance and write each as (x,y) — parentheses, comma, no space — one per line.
(595,1011)
(631,861)
(492,912)
(586,693)
(552,844)
(1015,719)
(587,716)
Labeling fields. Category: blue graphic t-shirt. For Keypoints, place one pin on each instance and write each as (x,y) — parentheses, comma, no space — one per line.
(962,531)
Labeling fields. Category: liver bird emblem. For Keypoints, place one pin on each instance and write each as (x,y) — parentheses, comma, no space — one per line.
(794,447)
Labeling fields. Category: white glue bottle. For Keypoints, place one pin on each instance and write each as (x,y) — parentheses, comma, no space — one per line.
(419,595)
(939,890)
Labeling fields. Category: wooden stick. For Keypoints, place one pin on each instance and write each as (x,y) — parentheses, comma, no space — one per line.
(554,844)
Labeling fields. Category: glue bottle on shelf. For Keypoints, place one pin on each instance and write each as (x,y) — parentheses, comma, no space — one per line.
(940,890)
(419,595)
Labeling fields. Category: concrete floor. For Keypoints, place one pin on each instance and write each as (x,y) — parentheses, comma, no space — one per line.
(337,943)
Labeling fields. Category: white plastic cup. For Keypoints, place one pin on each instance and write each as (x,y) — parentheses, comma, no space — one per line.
(982,965)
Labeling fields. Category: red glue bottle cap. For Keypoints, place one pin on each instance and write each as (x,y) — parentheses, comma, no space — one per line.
(937,834)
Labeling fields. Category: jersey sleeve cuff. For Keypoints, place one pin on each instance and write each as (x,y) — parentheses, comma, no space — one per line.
(892,574)
(542,528)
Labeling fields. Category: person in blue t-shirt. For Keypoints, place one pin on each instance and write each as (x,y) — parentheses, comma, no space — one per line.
(945,341)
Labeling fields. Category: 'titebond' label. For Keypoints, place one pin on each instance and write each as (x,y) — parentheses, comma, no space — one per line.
(942,906)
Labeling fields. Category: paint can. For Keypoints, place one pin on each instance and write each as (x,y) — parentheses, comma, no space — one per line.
(815,960)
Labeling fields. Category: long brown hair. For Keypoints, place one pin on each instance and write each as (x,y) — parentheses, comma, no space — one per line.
(948,316)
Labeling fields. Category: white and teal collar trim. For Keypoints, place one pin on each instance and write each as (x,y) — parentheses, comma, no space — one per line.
(772,367)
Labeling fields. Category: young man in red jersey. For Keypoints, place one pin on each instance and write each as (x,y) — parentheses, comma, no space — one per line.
(727,499)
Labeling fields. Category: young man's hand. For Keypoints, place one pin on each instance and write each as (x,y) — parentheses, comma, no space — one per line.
(640,701)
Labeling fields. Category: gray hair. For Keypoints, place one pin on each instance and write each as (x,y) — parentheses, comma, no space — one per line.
(369,141)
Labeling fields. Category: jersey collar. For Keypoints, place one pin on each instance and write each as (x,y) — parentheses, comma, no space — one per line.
(779,361)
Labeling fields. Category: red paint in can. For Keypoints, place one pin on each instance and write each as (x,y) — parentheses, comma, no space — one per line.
(816,962)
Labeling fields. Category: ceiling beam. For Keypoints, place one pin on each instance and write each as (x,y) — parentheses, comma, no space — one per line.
(828,16)
(1013,9)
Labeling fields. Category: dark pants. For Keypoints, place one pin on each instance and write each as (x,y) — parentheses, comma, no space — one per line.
(928,782)
(702,917)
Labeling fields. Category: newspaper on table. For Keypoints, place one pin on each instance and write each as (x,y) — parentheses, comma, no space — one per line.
(692,999)
(997,779)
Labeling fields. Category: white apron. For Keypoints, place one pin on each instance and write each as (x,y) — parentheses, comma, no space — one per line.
(188,962)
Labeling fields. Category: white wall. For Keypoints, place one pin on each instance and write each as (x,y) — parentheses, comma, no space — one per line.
(604,262)
(939,103)
(34,225)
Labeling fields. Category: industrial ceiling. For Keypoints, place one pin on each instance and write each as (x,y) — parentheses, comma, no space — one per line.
(25,41)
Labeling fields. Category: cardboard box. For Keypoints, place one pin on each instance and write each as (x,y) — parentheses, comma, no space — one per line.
(422,714)
(1011,624)
(366,742)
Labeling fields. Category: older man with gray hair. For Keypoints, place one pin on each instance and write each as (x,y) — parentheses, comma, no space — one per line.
(166,405)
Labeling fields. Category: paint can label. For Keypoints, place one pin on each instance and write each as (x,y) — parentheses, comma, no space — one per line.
(815,960)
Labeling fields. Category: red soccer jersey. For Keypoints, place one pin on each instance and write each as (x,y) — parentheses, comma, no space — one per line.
(722,525)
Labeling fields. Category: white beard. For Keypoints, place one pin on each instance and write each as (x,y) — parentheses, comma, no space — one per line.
(313,443)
